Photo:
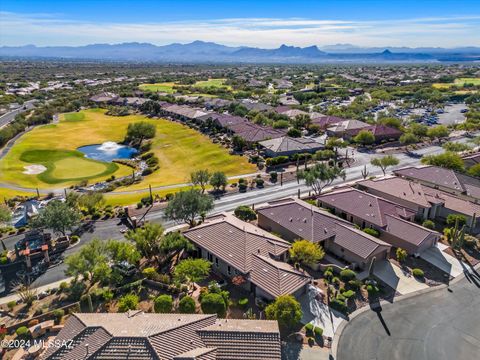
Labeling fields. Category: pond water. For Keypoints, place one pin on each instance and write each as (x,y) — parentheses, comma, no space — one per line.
(108,151)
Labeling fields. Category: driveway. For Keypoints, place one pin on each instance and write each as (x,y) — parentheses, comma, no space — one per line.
(439,258)
(396,278)
(442,324)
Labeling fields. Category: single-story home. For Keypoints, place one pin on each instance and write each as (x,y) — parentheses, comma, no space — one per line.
(380,132)
(347,128)
(286,146)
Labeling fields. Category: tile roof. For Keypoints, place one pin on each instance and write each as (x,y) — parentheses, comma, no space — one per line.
(357,241)
(348,125)
(181,337)
(379,130)
(400,188)
(365,206)
(289,144)
(253,133)
(407,230)
(443,177)
(304,220)
(452,202)
(324,121)
(275,277)
(235,241)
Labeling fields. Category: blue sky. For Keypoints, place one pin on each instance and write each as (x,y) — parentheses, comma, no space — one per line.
(263,23)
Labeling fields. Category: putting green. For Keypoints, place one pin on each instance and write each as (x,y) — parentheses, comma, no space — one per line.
(180,151)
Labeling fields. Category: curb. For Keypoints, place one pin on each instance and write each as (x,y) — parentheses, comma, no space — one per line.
(343,324)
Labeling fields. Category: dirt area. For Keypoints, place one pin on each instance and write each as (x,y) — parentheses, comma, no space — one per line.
(433,276)
(470,255)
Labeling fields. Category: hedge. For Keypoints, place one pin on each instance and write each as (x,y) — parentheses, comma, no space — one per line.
(418,273)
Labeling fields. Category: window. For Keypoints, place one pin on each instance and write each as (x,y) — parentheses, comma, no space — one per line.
(216,262)
(229,270)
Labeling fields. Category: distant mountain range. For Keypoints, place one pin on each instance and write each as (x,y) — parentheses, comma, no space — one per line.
(209,52)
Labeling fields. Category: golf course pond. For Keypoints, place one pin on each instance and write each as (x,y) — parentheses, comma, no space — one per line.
(108,151)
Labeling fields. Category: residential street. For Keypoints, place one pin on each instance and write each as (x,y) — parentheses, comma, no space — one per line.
(7,118)
(439,325)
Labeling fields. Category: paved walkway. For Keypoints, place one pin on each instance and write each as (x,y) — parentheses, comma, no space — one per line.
(394,277)
(439,258)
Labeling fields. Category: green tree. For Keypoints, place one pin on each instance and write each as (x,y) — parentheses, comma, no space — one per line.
(163,304)
(301,121)
(238,143)
(218,181)
(57,216)
(306,253)
(175,242)
(213,303)
(128,302)
(5,214)
(123,251)
(286,310)
(294,133)
(429,224)
(334,144)
(187,305)
(188,205)
(147,239)
(200,178)
(91,262)
(91,201)
(192,270)
(139,131)
(419,130)
(320,176)
(401,255)
(452,219)
(474,170)
(385,162)
(447,160)
(245,213)
(391,122)
(437,132)
(364,137)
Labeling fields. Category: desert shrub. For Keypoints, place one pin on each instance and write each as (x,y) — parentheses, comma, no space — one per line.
(453,218)
(3,260)
(163,304)
(372,232)
(11,305)
(22,331)
(243,303)
(372,289)
(348,294)
(245,213)
(187,305)
(429,224)
(338,304)
(273,176)
(150,273)
(401,255)
(309,329)
(418,273)
(318,331)
(355,284)
(470,241)
(213,304)
(128,302)
(58,314)
(347,274)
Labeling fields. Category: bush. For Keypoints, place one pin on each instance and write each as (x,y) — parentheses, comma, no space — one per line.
(418,273)
(58,314)
(243,303)
(74,239)
(277,160)
(163,304)
(150,273)
(273,176)
(401,255)
(372,289)
(213,304)
(349,294)
(128,302)
(355,284)
(22,331)
(245,213)
(452,219)
(11,305)
(318,331)
(347,275)
(338,304)
(309,329)
(3,260)
(470,241)
(371,232)
(107,294)
(187,305)
(429,224)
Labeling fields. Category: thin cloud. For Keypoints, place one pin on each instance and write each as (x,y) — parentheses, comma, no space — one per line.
(53,29)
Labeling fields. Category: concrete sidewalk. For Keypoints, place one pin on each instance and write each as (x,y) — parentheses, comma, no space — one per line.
(54,285)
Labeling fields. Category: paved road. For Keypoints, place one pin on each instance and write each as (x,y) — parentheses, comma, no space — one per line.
(438,325)
(10,116)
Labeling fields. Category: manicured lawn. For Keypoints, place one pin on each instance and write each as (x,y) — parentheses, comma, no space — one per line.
(460,82)
(180,151)
(74,116)
(211,83)
(8,193)
(158,87)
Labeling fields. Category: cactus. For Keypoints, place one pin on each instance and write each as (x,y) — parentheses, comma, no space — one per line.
(456,237)
(365,172)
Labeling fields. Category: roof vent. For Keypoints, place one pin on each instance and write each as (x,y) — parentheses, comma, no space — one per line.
(304,220)
(291,219)
(258,251)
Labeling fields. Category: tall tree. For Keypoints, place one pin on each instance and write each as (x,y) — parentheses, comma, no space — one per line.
(201,178)
(123,251)
(57,216)
(286,310)
(91,201)
(139,131)
(188,205)
(335,144)
(192,270)
(218,181)
(385,162)
(5,214)
(147,239)
(91,262)
(320,176)
(306,252)
(449,160)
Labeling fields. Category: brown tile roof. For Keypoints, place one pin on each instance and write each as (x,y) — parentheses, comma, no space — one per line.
(304,220)
(443,177)
(365,206)
(452,202)
(380,131)
(400,188)
(235,241)
(275,277)
(348,125)
(324,121)
(289,144)
(247,339)
(356,241)
(407,230)
(181,336)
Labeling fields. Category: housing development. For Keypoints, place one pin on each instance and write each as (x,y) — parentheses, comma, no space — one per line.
(195,200)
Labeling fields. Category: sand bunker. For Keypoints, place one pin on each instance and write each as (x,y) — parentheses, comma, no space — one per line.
(34,169)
